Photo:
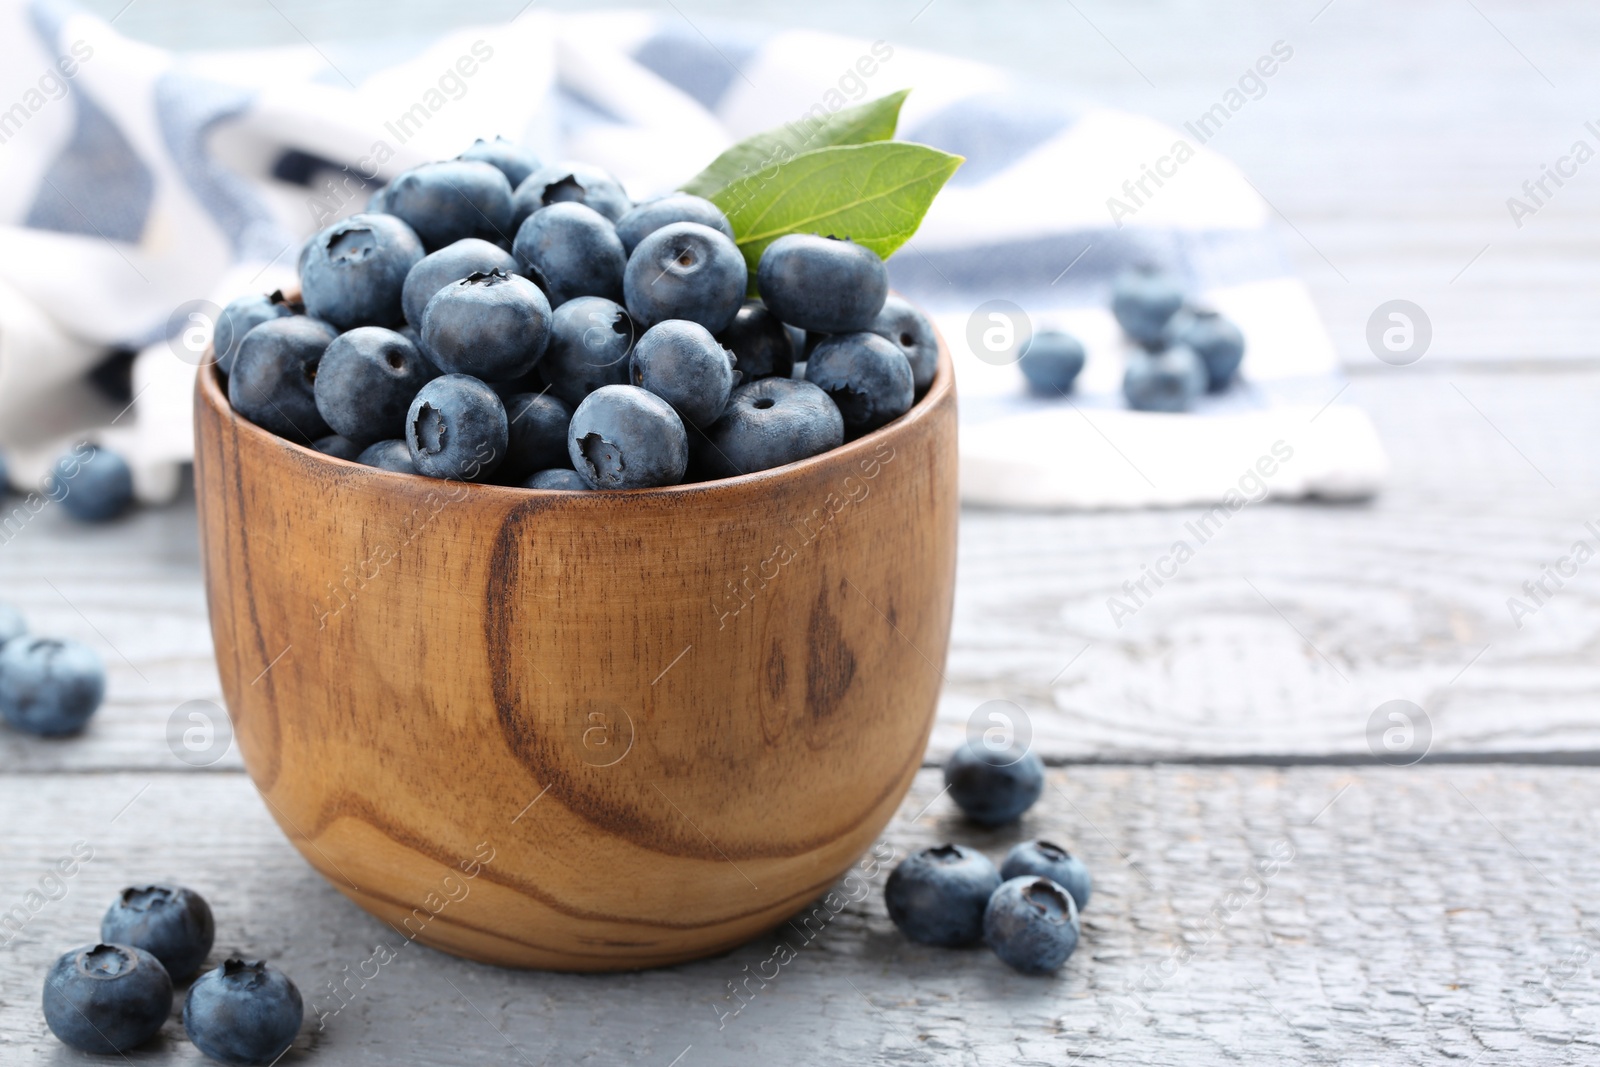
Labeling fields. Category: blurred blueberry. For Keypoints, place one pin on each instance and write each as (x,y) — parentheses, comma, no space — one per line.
(760,343)
(1218,343)
(684,365)
(1143,301)
(591,340)
(994,786)
(170,922)
(937,896)
(561,182)
(338,447)
(823,284)
(457,429)
(1051,362)
(273,379)
(106,999)
(243,1012)
(434,271)
(537,435)
(50,686)
(1053,862)
(242,315)
(623,437)
(651,215)
(514,161)
(1170,380)
(365,383)
(768,423)
(685,271)
(355,271)
(445,202)
(1032,924)
(392,455)
(556,478)
(493,326)
(93,483)
(910,331)
(573,250)
(868,378)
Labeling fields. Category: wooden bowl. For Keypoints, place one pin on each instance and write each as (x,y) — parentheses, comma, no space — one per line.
(581,731)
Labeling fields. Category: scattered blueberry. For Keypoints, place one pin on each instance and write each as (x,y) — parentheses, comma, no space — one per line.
(106,999)
(94,484)
(1051,362)
(365,383)
(650,215)
(355,271)
(537,435)
(240,317)
(937,896)
(573,251)
(563,182)
(760,343)
(769,422)
(243,1012)
(1218,343)
(493,326)
(1143,301)
(556,478)
(1170,380)
(624,437)
(684,365)
(273,378)
(868,378)
(686,271)
(591,341)
(1052,862)
(910,331)
(823,284)
(456,429)
(50,686)
(1032,924)
(170,922)
(994,786)
(337,446)
(514,161)
(392,455)
(445,202)
(12,624)
(434,271)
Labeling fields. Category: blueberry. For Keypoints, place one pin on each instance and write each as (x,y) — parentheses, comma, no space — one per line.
(867,377)
(994,786)
(94,484)
(769,422)
(1218,343)
(445,202)
(106,998)
(365,383)
(573,250)
(760,343)
(685,271)
(591,341)
(1143,301)
(1051,362)
(12,624)
(5,475)
(338,447)
(623,437)
(240,317)
(170,922)
(1170,380)
(392,455)
(537,435)
(937,896)
(273,379)
(355,271)
(50,686)
(434,271)
(823,284)
(556,478)
(561,182)
(493,326)
(1052,862)
(910,331)
(514,161)
(243,1012)
(651,215)
(684,365)
(1032,924)
(457,429)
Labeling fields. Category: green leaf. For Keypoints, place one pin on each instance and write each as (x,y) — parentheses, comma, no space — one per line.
(874,194)
(873,121)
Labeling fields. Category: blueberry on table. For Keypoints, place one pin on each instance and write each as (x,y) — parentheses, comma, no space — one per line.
(393,455)
(1144,301)
(12,624)
(457,429)
(493,326)
(559,183)
(93,483)
(434,271)
(573,250)
(537,437)
(273,379)
(338,447)
(514,161)
(242,315)
(1049,861)
(769,422)
(937,896)
(650,215)
(1051,362)
(106,999)
(445,202)
(49,686)
(686,271)
(556,478)
(244,1012)
(354,272)
(1032,924)
(910,331)
(1169,381)
(994,786)
(821,283)
(868,378)
(624,437)
(591,341)
(1218,343)
(170,922)
(760,342)
(681,362)
(365,383)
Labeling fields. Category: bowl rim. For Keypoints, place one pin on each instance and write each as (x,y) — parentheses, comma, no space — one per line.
(210,388)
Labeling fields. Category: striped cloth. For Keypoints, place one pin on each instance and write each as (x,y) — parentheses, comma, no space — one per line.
(142,189)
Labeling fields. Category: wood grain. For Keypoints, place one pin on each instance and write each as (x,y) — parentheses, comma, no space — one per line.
(648,724)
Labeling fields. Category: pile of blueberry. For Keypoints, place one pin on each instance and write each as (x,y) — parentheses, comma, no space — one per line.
(1027,911)
(114,996)
(491,319)
(49,686)
(1181,351)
